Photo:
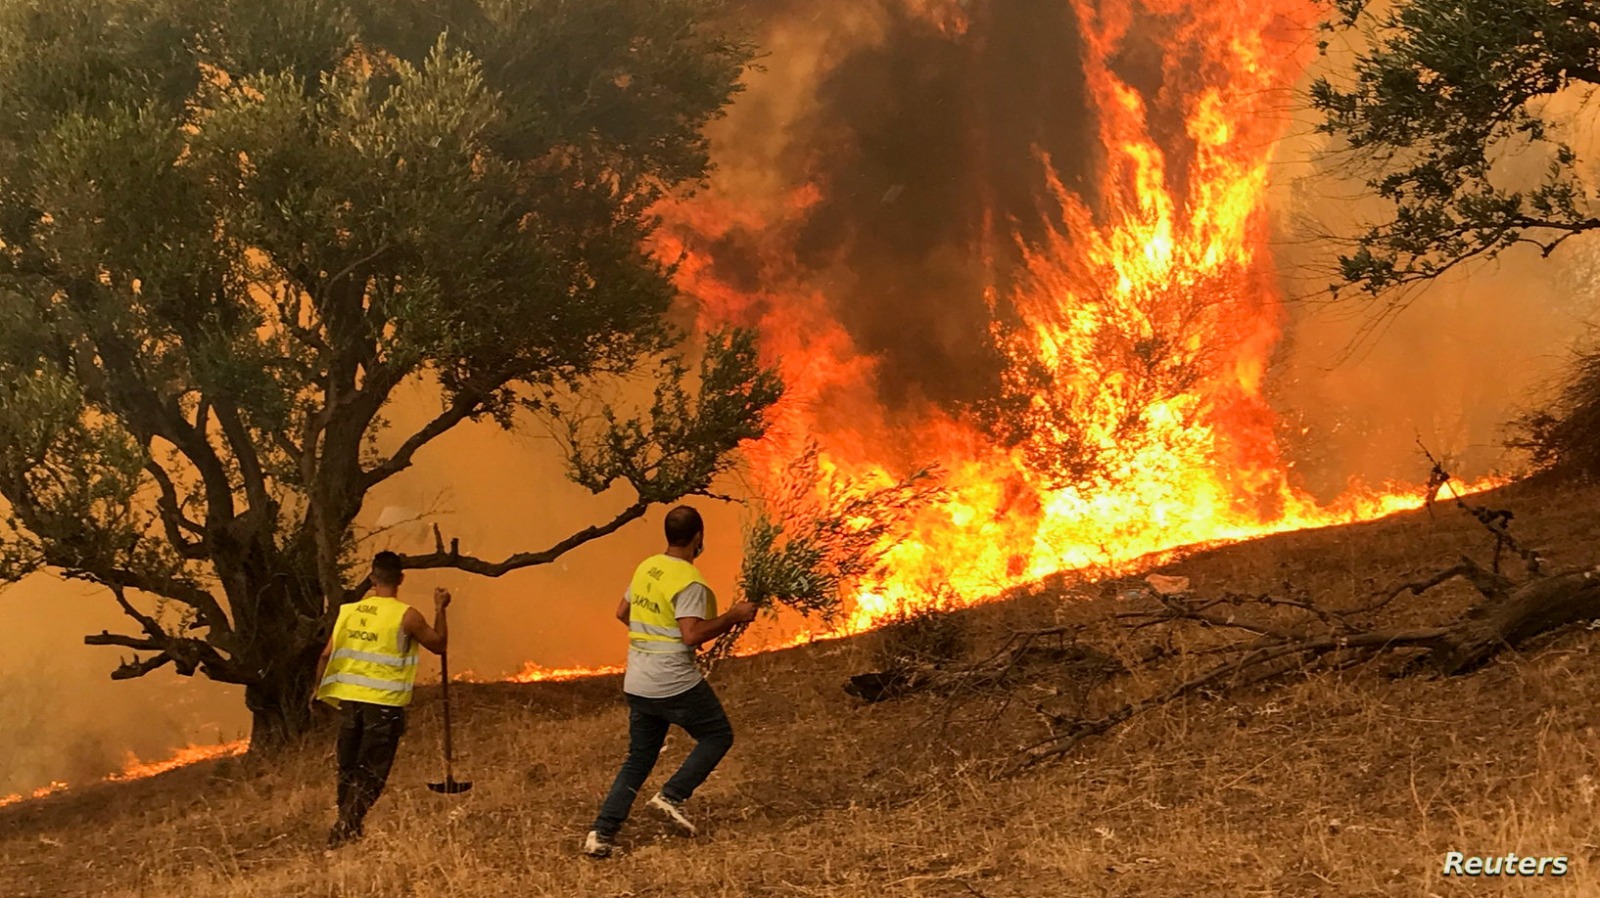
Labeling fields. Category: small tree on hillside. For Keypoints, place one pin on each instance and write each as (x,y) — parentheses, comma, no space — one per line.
(230,230)
(1446,114)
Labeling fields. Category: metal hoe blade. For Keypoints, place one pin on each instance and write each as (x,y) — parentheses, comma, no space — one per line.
(451,786)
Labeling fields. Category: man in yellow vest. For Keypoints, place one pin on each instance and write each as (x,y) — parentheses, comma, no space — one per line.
(669,611)
(367,671)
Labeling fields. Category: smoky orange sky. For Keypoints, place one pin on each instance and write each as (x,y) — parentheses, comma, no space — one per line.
(865,93)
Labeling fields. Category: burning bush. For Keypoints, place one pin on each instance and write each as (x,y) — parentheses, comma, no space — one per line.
(819,534)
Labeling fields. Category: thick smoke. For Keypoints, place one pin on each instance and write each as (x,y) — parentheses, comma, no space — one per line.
(926,147)
(1360,384)
(63,717)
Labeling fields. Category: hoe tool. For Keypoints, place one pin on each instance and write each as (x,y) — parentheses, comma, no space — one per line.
(450,786)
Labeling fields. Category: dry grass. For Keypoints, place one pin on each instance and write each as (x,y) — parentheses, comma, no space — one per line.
(1347,784)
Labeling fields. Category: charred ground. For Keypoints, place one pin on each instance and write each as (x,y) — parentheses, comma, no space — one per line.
(1353,782)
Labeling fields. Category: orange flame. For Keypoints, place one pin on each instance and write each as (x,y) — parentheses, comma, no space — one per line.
(135,769)
(1138,335)
(535,673)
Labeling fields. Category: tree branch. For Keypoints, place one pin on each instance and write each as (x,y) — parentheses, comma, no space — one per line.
(172,517)
(142,643)
(350,269)
(68,553)
(452,558)
(244,451)
(464,407)
(1058,744)
(187,655)
(186,592)
(147,414)
(150,625)
(1488,584)
(132,670)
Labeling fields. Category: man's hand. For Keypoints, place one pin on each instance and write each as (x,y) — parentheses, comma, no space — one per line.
(441,598)
(697,632)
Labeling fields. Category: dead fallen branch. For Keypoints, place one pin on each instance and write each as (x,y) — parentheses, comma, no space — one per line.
(1503,621)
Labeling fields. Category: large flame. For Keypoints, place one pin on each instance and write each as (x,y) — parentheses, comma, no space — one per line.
(1138,332)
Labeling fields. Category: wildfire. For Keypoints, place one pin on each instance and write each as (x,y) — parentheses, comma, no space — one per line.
(40,792)
(1138,333)
(193,754)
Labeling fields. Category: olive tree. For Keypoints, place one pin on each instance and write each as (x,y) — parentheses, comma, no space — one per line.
(230,231)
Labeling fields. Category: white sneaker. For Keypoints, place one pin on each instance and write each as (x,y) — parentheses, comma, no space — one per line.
(674,812)
(596,845)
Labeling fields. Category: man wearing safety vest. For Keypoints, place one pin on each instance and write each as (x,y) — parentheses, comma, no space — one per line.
(367,671)
(669,611)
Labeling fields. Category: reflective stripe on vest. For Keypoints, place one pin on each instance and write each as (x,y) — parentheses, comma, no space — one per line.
(654,640)
(384,686)
(379,657)
(373,660)
(653,630)
(652,619)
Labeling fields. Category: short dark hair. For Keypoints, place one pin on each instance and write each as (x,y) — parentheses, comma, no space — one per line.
(386,569)
(683,525)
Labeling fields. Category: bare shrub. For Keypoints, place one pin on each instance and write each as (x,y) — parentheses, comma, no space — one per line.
(1565,436)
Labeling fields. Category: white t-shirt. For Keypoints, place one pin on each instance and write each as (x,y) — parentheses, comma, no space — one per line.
(665,674)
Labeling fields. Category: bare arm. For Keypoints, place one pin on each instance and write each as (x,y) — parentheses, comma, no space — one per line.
(436,638)
(322,669)
(698,631)
(624,611)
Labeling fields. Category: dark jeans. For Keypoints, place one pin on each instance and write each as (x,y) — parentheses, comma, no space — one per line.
(696,711)
(368,738)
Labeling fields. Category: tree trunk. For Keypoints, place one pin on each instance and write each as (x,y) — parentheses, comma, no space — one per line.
(281,629)
(280,703)
(1534,608)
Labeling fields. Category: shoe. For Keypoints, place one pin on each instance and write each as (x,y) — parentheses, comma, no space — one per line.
(674,812)
(596,845)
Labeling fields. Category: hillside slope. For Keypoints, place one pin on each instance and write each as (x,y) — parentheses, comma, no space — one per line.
(1353,783)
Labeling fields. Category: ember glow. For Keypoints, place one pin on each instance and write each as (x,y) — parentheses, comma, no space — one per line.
(1137,332)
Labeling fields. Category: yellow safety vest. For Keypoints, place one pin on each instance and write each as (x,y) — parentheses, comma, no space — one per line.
(652,622)
(373,659)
